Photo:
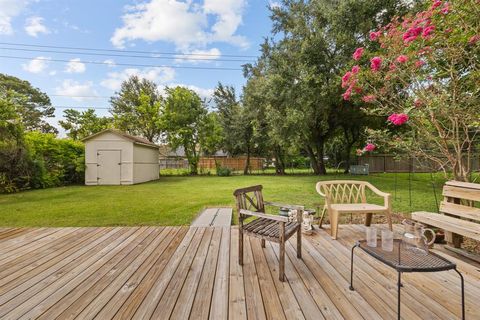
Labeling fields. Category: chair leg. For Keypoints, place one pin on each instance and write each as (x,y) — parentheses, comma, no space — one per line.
(389,220)
(263,243)
(368,219)
(299,243)
(281,269)
(333,224)
(321,217)
(240,247)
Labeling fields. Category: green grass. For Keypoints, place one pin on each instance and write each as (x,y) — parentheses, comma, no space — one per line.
(177,200)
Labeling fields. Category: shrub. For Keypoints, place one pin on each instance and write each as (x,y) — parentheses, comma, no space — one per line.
(54,162)
(224,171)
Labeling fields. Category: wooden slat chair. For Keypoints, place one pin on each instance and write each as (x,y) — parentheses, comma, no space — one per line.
(269,227)
(459,214)
(348,196)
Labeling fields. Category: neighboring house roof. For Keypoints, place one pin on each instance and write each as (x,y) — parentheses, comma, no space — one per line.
(134,139)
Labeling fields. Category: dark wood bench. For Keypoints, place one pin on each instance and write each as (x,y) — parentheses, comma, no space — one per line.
(459,215)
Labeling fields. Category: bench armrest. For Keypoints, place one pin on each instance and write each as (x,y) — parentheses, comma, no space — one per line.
(264,215)
(386,196)
(282,205)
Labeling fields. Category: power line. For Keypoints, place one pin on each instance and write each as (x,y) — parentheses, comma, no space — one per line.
(123,51)
(124,64)
(126,56)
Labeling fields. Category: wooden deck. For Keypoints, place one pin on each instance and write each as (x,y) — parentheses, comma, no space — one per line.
(181,272)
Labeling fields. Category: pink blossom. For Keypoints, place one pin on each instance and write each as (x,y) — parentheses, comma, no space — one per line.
(346,96)
(392,67)
(398,118)
(428,31)
(357,89)
(374,35)
(412,34)
(375,63)
(358,54)
(446,8)
(369,99)
(402,58)
(436,3)
(369,147)
(355,69)
(346,79)
(474,39)
(418,103)
(419,63)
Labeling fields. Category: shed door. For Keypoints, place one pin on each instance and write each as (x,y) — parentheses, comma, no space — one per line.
(109,167)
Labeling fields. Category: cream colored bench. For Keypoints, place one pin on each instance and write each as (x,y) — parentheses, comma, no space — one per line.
(348,196)
(458,215)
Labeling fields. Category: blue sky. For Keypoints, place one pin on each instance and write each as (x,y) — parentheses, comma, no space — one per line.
(209,30)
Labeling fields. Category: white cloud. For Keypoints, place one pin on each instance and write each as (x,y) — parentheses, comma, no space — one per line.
(184,23)
(274,4)
(75,66)
(8,10)
(196,56)
(34,26)
(76,90)
(158,74)
(36,65)
(110,62)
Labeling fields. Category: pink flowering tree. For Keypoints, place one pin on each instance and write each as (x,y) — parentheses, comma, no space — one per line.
(425,80)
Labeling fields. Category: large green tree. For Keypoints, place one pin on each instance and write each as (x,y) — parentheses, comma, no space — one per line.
(137,107)
(183,119)
(81,124)
(35,106)
(312,41)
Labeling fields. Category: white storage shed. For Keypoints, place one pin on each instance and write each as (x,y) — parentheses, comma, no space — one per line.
(116,158)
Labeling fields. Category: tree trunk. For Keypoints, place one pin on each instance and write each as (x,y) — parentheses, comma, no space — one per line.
(316,160)
(321,163)
(246,170)
(279,162)
(348,157)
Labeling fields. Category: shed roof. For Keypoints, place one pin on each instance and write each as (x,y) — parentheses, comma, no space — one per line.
(134,139)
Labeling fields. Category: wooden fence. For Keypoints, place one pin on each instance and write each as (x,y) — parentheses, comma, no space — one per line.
(389,163)
(231,163)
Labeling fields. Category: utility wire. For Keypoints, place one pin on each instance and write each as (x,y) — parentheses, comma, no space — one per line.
(126,56)
(124,64)
(123,51)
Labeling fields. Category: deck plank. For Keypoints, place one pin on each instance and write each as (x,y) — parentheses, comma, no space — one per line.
(132,303)
(203,296)
(236,296)
(149,303)
(219,304)
(184,302)
(193,272)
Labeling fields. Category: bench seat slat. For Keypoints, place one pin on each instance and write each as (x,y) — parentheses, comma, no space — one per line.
(460,210)
(466,228)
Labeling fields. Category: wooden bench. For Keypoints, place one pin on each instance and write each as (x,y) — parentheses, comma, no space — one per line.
(348,196)
(458,215)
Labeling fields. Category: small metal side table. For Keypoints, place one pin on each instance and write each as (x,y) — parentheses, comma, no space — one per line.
(404,260)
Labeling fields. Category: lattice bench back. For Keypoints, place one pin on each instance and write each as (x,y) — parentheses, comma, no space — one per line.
(250,198)
(342,191)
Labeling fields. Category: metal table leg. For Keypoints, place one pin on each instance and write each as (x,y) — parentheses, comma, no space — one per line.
(351,268)
(463,293)
(399,286)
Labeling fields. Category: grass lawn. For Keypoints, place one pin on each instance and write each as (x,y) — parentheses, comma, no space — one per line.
(177,200)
